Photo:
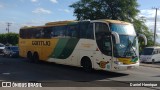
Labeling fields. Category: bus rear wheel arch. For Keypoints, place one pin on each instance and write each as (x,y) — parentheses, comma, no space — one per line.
(86,64)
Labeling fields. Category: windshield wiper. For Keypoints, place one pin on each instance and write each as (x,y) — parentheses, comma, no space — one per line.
(128,49)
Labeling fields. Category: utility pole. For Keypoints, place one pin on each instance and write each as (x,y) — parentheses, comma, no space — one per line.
(155,26)
(8,25)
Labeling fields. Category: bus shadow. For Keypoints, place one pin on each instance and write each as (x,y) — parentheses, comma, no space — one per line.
(22,70)
(78,74)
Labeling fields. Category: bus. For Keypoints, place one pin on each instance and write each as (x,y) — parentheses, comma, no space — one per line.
(150,54)
(97,44)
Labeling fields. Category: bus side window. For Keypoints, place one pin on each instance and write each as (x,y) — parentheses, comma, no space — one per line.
(55,32)
(155,51)
(59,31)
(47,32)
(22,33)
(38,33)
(25,33)
(102,27)
(72,31)
(34,32)
(89,32)
(28,34)
(83,27)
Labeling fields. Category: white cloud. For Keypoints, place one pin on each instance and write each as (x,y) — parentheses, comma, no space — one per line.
(54,1)
(1,6)
(64,10)
(149,15)
(34,0)
(21,0)
(42,11)
(12,28)
(2,27)
(15,26)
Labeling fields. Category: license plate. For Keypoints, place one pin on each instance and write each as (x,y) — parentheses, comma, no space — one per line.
(129,67)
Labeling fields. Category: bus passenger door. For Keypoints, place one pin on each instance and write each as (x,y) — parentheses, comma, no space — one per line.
(104,50)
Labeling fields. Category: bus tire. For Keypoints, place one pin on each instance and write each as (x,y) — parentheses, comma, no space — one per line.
(153,61)
(35,57)
(29,56)
(86,64)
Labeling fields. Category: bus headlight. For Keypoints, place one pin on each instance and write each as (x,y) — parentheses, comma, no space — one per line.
(148,58)
(117,62)
(120,63)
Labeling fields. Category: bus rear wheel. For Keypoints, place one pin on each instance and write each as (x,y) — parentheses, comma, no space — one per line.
(29,56)
(153,61)
(36,57)
(86,64)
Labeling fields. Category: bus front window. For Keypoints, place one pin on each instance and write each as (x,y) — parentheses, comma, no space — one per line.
(128,46)
(147,51)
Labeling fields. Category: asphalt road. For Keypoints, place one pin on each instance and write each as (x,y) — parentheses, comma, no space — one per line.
(53,75)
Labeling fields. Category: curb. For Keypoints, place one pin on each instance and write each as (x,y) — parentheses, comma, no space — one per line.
(149,65)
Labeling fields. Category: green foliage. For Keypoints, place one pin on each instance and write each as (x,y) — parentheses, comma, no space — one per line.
(141,28)
(9,38)
(125,10)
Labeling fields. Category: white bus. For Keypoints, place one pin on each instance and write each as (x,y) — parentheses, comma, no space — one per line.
(150,54)
(99,44)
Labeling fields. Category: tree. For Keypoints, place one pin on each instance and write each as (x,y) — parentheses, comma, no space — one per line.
(9,38)
(140,27)
(125,10)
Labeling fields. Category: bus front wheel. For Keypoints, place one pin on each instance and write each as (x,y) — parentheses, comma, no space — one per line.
(86,64)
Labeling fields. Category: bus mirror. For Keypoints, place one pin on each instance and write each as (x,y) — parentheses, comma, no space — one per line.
(116,35)
(144,37)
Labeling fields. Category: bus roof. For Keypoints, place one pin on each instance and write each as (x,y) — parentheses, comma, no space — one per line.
(154,47)
(49,24)
(59,23)
(111,21)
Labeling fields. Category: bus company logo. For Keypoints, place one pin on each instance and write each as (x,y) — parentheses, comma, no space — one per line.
(6,84)
(41,43)
(102,64)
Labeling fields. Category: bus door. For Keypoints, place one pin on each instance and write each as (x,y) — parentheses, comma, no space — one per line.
(104,43)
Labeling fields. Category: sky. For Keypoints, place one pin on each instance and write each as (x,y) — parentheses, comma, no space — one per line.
(37,12)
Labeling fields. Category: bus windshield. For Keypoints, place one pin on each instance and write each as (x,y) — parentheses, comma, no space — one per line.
(128,41)
(126,29)
(147,51)
(127,47)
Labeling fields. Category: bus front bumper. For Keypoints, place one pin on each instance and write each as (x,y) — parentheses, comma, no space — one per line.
(125,67)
